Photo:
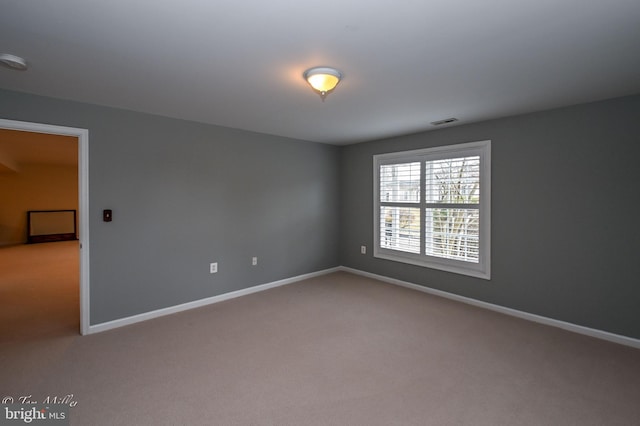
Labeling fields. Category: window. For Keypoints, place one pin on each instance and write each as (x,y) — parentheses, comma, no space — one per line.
(432,207)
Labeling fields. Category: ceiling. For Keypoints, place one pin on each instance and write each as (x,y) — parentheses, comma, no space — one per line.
(406,63)
(19,149)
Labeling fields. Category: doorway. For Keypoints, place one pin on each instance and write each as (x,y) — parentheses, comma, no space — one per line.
(82,136)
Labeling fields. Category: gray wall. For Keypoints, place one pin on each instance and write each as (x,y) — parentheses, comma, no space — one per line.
(185,194)
(564,229)
(565,208)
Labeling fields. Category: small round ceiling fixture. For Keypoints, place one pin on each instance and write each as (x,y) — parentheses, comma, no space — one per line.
(323,79)
(13,62)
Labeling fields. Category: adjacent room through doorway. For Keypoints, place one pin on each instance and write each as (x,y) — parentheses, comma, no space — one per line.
(39,283)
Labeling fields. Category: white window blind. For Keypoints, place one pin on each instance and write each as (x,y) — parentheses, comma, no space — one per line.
(400,182)
(452,209)
(432,207)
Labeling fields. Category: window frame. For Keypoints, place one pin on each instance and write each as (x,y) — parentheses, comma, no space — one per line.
(481,269)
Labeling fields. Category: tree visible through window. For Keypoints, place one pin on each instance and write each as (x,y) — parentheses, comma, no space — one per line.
(432,207)
(453,201)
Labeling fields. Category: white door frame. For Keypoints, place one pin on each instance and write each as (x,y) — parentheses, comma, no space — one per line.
(83,200)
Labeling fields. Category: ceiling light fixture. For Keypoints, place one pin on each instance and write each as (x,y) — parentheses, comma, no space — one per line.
(323,79)
(13,62)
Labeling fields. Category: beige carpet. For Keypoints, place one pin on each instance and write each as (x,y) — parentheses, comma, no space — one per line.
(334,350)
(39,290)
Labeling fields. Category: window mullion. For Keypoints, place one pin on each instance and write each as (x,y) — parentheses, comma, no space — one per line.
(399,204)
(423,200)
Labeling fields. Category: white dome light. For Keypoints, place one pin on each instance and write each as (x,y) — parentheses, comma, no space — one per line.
(323,79)
(13,62)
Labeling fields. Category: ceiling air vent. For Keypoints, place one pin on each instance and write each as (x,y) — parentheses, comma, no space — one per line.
(445,121)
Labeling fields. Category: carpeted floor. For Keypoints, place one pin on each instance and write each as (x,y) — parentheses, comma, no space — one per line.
(39,290)
(335,350)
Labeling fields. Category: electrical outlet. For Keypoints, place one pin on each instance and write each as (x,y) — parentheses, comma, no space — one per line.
(363,249)
(254,261)
(213,268)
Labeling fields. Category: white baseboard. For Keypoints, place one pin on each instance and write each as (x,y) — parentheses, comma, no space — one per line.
(202,302)
(599,334)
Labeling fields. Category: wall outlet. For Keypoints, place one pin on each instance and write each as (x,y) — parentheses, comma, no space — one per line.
(213,268)
(363,249)
(254,261)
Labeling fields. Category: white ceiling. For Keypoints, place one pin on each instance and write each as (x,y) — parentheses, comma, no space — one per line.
(406,63)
